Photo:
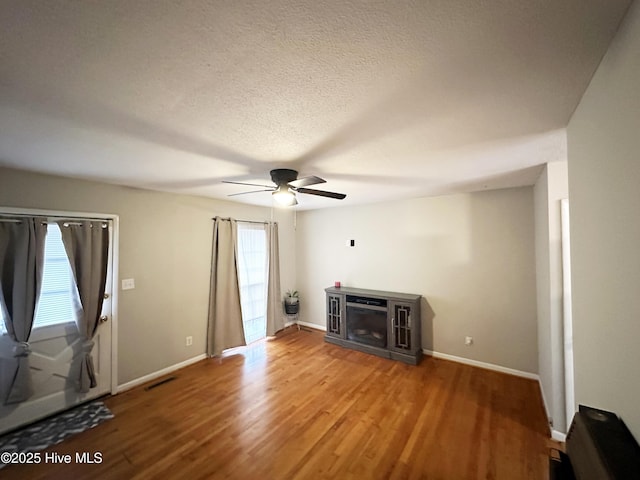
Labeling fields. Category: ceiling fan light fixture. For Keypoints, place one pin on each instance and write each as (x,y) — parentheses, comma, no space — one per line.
(284,197)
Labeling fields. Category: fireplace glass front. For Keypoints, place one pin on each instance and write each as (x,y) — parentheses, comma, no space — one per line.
(367,325)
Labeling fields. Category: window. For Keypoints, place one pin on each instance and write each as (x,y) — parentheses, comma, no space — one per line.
(252,276)
(56,302)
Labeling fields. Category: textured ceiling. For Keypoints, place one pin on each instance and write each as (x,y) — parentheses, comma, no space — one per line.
(384,99)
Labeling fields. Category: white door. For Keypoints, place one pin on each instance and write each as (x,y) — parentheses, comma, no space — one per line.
(56,345)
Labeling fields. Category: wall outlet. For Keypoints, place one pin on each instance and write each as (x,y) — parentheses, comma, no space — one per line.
(189,341)
(128,284)
(468,341)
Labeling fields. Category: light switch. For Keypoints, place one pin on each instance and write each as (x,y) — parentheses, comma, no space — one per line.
(128,284)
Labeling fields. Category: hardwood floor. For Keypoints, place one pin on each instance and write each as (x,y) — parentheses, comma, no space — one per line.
(299,408)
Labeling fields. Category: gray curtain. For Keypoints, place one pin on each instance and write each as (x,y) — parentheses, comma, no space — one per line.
(87,246)
(275,318)
(224,329)
(21,265)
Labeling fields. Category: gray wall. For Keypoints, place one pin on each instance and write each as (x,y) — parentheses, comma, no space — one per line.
(470,255)
(604,187)
(165,244)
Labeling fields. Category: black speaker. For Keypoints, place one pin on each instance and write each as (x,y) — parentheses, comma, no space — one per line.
(601,447)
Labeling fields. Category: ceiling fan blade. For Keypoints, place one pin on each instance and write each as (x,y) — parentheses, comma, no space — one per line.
(250,184)
(306,181)
(321,193)
(252,191)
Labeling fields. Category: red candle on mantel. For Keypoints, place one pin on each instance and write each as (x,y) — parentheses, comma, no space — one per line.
(337,284)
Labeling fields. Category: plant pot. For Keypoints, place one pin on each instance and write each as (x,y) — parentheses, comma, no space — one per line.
(291,308)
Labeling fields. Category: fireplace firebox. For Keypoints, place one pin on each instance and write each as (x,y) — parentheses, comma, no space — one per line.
(367,320)
(382,323)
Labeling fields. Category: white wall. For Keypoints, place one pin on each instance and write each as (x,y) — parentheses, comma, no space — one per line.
(604,185)
(470,255)
(550,188)
(165,245)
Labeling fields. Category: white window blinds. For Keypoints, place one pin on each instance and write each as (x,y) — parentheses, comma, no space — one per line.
(55,305)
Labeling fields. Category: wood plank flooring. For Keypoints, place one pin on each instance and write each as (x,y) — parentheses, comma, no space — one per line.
(296,407)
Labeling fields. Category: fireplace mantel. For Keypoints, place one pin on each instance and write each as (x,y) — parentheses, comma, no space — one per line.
(386,324)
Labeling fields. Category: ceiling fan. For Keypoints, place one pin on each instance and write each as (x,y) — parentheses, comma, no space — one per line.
(287,184)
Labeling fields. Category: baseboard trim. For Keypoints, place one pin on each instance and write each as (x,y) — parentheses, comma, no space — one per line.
(558,436)
(315,326)
(477,363)
(152,376)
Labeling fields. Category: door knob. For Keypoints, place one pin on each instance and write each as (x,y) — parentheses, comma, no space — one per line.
(103,318)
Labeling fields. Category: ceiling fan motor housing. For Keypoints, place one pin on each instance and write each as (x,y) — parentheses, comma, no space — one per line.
(282,176)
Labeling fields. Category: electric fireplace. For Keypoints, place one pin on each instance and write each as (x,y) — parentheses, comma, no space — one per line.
(387,324)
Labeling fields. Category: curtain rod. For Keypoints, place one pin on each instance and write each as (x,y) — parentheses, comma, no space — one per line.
(67,221)
(265,222)
(15,217)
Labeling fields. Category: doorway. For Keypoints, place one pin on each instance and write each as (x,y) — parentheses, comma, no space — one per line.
(55,342)
(569,388)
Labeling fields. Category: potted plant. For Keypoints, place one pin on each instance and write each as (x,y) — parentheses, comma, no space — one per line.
(291,302)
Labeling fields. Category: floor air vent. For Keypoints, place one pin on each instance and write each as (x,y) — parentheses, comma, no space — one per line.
(159,382)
